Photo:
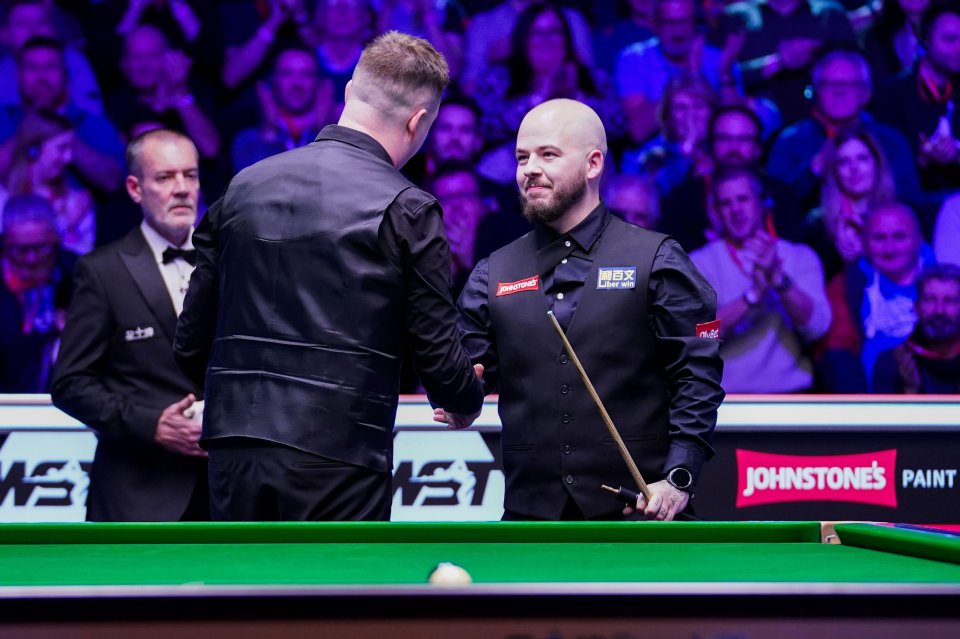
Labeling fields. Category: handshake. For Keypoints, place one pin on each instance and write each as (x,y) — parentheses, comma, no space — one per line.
(457,421)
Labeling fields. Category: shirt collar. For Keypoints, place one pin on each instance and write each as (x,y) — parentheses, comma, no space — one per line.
(585,234)
(355,138)
(158,244)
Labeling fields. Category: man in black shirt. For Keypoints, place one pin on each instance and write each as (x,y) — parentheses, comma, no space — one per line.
(637,311)
(314,270)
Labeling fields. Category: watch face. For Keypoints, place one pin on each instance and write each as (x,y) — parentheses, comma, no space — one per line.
(680,478)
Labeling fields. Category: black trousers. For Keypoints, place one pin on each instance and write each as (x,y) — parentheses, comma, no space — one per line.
(257,480)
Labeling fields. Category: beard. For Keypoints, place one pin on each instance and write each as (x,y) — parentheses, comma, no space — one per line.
(940,328)
(564,196)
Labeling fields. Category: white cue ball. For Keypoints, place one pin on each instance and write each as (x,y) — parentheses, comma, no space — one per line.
(447,574)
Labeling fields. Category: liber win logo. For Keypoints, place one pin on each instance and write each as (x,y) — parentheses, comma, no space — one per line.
(866,478)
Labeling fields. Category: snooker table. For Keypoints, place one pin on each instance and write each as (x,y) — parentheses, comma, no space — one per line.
(530,580)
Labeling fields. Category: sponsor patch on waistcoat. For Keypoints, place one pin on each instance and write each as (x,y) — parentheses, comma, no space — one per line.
(616,277)
(509,288)
(710,330)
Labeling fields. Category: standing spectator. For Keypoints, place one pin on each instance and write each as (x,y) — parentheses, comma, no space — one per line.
(892,43)
(42,79)
(116,372)
(159,92)
(733,140)
(782,40)
(645,69)
(856,179)
(634,198)
(34,294)
(946,234)
(841,84)
(543,64)
(24,20)
(770,293)
(490,43)
(928,362)
(295,104)
(920,102)
(44,151)
(873,299)
(683,116)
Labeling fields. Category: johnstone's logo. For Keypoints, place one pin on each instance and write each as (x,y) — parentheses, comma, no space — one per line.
(509,288)
(867,478)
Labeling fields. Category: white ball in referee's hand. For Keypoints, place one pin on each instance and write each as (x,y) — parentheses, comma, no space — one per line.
(448,574)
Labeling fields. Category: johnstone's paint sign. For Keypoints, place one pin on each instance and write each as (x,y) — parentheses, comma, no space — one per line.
(866,478)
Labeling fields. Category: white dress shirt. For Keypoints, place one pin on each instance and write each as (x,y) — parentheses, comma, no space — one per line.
(176,274)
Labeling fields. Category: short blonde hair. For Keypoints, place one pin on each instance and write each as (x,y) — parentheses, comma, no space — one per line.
(398,72)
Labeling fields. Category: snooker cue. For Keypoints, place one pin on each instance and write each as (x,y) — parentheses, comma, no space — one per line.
(631,465)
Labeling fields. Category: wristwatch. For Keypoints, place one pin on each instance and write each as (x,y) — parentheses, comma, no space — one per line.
(681,479)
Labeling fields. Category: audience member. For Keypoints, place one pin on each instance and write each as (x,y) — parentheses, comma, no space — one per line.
(841,84)
(873,299)
(856,178)
(782,41)
(457,188)
(41,76)
(158,94)
(543,65)
(489,40)
(24,20)
(929,361)
(34,294)
(116,372)
(342,28)
(946,234)
(645,68)
(771,300)
(634,24)
(733,140)
(920,102)
(634,198)
(43,152)
(683,116)
(892,44)
(295,105)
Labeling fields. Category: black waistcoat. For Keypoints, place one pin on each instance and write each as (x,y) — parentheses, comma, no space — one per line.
(311,327)
(554,440)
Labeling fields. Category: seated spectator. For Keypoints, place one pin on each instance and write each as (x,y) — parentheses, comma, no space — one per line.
(295,104)
(24,20)
(928,362)
(733,140)
(855,179)
(946,235)
(841,84)
(770,293)
(159,94)
(455,137)
(873,299)
(43,152)
(782,39)
(42,81)
(34,294)
(543,65)
(635,24)
(683,116)
(892,44)
(644,69)
(634,198)
(920,102)
(341,29)
(457,188)
(489,39)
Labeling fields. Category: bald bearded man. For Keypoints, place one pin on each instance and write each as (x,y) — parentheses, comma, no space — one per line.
(635,309)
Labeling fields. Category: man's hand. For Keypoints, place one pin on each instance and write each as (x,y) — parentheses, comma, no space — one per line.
(665,502)
(907,369)
(456,421)
(178,433)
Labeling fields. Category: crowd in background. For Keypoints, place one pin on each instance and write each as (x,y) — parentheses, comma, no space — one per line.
(805,153)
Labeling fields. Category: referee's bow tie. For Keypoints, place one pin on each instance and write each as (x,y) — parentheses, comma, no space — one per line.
(170,254)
